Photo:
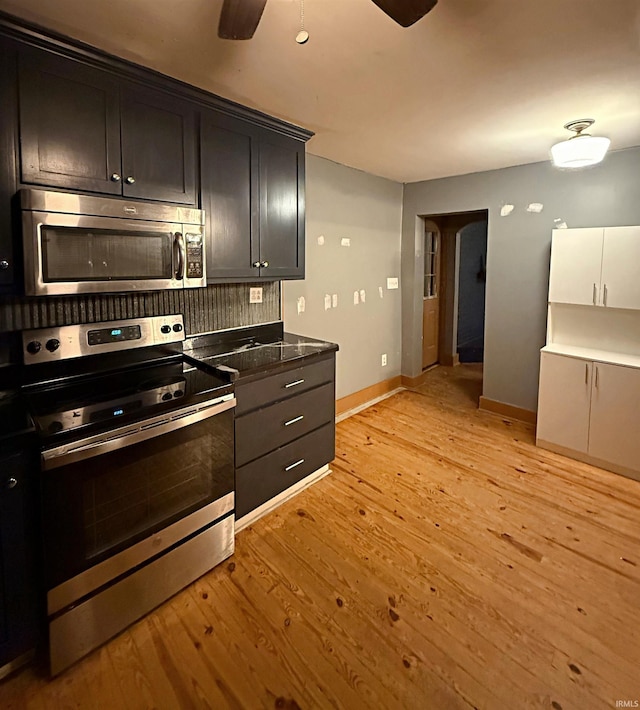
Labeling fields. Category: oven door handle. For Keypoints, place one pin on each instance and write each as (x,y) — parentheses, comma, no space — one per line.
(126,436)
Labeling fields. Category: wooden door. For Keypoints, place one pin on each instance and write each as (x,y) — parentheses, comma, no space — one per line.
(281,207)
(620,259)
(228,165)
(615,413)
(158,147)
(563,401)
(576,261)
(69,124)
(431,299)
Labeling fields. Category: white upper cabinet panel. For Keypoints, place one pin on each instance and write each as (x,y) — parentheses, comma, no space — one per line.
(621,267)
(576,260)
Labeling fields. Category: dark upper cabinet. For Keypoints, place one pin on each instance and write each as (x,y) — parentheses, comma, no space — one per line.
(69,124)
(252,184)
(281,162)
(158,147)
(8,122)
(229,183)
(83,129)
(18,581)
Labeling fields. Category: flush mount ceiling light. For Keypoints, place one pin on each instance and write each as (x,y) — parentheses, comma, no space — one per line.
(579,150)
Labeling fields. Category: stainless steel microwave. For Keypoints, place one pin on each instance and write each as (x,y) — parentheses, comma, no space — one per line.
(81,244)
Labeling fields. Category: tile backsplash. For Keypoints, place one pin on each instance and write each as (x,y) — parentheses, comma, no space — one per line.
(205,309)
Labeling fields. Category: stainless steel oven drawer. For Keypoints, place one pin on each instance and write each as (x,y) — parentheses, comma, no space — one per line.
(281,385)
(261,480)
(267,429)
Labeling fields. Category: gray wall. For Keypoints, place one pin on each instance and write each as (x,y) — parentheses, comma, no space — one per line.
(471,289)
(518,254)
(343,203)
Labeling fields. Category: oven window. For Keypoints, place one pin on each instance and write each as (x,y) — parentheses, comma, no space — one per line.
(102,505)
(74,254)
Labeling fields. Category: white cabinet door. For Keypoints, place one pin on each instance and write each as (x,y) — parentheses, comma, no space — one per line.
(576,260)
(615,415)
(563,401)
(621,267)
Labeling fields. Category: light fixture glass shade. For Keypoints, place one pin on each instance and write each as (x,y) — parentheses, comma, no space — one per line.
(579,151)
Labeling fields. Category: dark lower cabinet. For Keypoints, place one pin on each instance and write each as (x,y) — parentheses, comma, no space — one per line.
(283,434)
(18,578)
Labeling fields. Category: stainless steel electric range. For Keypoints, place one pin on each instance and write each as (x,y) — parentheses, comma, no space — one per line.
(137,478)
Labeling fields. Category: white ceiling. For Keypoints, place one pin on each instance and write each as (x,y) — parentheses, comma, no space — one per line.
(474,85)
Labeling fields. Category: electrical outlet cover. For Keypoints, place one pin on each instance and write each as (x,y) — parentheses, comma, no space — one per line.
(392,283)
(255,294)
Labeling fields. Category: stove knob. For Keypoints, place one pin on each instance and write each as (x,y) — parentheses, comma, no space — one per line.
(166,396)
(52,345)
(55,427)
(34,347)
(177,327)
(165,329)
(178,393)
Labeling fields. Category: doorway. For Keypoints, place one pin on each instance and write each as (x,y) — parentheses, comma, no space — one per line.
(454,248)
(472,277)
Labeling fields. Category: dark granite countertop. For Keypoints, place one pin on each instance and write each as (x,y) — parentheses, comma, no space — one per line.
(255,350)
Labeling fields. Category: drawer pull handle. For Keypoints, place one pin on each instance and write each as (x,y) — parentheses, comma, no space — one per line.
(293,465)
(293,384)
(293,421)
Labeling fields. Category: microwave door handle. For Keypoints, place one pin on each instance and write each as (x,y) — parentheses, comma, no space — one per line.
(179,256)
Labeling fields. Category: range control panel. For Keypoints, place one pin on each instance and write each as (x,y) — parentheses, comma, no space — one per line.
(70,341)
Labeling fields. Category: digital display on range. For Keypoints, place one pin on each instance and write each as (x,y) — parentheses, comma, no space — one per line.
(113,335)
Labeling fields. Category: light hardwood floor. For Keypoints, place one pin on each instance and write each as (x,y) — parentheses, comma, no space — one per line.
(446,563)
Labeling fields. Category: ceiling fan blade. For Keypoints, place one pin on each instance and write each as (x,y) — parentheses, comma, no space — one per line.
(239,18)
(406,12)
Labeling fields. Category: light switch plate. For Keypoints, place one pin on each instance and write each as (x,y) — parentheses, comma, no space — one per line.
(255,294)
(392,283)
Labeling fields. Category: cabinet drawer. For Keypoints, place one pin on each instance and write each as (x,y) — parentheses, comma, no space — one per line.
(281,385)
(269,428)
(261,480)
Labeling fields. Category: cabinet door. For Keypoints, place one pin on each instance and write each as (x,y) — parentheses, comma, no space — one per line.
(8,132)
(576,260)
(158,147)
(18,610)
(620,259)
(229,178)
(563,401)
(281,207)
(69,124)
(615,413)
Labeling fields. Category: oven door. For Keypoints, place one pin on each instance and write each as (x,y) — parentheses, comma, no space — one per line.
(68,254)
(115,501)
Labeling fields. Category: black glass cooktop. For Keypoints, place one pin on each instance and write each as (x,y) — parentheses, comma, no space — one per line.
(91,404)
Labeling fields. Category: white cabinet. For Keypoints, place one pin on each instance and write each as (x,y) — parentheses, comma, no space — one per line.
(576,266)
(621,267)
(615,415)
(590,408)
(563,401)
(595,267)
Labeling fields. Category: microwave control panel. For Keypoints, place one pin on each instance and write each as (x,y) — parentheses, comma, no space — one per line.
(195,258)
